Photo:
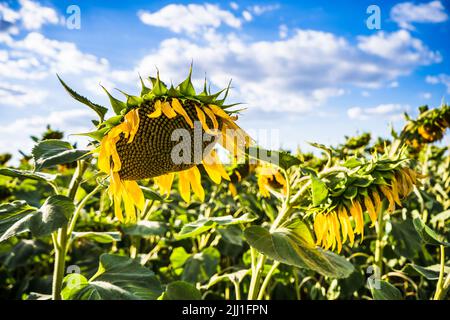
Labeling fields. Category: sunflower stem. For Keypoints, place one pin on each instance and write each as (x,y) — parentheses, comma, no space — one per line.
(442,287)
(267,280)
(379,244)
(61,236)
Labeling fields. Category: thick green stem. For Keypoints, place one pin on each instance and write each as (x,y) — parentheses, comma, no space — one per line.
(267,280)
(62,236)
(379,244)
(256,278)
(442,287)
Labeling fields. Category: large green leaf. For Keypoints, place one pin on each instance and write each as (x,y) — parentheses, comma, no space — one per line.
(281,159)
(51,152)
(117,278)
(145,228)
(100,237)
(204,224)
(201,266)
(385,291)
(100,110)
(430,272)
(295,247)
(26,174)
(180,290)
(427,234)
(18,217)
(319,190)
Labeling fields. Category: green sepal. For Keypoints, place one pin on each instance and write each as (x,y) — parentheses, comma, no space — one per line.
(132,101)
(100,110)
(173,92)
(159,88)
(144,89)
(116,104)
(186,88)
(96,135)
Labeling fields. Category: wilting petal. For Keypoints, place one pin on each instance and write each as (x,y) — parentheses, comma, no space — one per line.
(176,105)
(157,112)
(387,193)
(370,209)
(167,110)
(212,117)
(184,186)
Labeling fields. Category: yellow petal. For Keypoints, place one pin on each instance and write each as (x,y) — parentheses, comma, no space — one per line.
(157,112)
(184,186)
(318,227)
(196,183)
(356,212)
(136,194)
(232,189)
(342,219)
(211,115)
(394,191)
(370,209)
(164,182)
(336,229)
(104,157)
(387,193)
(167,110)
(214,167)
(219,111)
(202,118)
(378,204)
(117,208)
(176,105)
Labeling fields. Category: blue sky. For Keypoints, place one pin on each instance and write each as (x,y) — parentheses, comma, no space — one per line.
(312,70)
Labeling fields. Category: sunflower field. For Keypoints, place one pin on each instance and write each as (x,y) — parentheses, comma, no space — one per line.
(137,214)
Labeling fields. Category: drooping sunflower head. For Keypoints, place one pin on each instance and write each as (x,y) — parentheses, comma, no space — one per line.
(163,132)
(269,178)
(372,190)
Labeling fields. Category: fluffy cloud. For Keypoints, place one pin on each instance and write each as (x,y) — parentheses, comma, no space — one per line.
(440,79)
(261,9)
(19,96)
(295,74)
(72,120)
(35,57)
(191,18)
(34,16)
(390,111)
(399,48)
(31,15)
(407,13)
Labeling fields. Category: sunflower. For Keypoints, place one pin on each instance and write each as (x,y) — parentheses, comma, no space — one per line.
(140,142)
(334,228)
(269,178)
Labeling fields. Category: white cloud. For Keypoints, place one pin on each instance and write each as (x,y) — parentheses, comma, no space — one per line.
(31,15)
(191,18)
(36,57)
(283,31)
(426,95)
(34,16)
(398,47)
(70,121)
(19,96)
(365,93)
(261,9)
(295,74)
(440,79)
(393,84)
(247,16)
(390,111)
(405,14)
(234,5)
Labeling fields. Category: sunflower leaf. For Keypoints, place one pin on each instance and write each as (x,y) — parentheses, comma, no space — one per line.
(181,290)
(18,217)
(26,174)
(292,247)
(100,110)
(427,234)
(382,290)
(48,153)
(117,278)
